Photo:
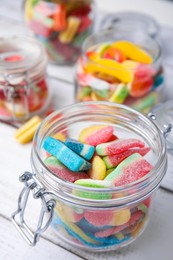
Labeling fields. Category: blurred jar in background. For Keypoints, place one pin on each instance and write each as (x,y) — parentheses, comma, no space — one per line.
(23,88)
(61,25)
(121,66)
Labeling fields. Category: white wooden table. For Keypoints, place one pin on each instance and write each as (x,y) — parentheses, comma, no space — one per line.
(157,241)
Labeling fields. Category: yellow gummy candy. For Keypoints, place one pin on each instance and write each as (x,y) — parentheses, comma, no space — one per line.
(98,169)
(25,133)
(133,51)
(89,131)
(68,34)
(109,67)
(121,217)
(60,136)
(28,10)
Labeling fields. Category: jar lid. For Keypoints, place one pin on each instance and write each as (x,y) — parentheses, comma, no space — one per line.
(164,116)
(132,20)
(20,55)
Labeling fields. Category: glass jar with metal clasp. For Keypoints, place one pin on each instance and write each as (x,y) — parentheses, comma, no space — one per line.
(23,88)
(91,218)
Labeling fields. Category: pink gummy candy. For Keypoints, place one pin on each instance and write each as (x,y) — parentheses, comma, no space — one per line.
(114,160)
(135,171)
(118,146)
(99,218)
(115,230)
(95,135)
(68,175)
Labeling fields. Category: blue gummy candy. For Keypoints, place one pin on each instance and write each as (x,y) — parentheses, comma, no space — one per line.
(70,159)
(84,150)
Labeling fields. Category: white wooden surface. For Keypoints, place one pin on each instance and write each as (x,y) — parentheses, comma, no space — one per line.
(156,243)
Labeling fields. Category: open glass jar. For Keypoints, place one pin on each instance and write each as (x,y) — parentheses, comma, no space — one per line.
(23,88)
(60,25)
(121,66)
(95,219)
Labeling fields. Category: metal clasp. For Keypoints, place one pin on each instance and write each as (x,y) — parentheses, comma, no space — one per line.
(167,128)
(32,184)
(16,93)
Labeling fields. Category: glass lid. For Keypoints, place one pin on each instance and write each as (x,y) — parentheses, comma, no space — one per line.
(132,20)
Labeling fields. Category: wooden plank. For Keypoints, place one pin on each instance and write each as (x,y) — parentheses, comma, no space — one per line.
(13,247)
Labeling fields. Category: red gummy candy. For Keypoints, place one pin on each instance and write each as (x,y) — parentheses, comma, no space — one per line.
(114,160)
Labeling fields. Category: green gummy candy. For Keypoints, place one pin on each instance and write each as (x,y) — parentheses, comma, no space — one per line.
(86,91)
(143,208)
(93,184)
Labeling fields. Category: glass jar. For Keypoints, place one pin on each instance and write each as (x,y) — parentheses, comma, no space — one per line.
(61,25)
(94,219)
(23,88)
(121,66)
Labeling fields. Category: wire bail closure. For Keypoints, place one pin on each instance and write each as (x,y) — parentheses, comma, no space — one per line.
(32,184)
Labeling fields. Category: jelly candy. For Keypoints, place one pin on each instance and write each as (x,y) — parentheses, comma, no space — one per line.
(118,146)
(113,160)
(26,132)
(66,156)
(129,170)
(62,171)
(95,135)
(84,150)
(98,168)
(133,51)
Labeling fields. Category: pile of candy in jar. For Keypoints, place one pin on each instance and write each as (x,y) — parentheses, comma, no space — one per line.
(98,159)
(120,72)
(60,25)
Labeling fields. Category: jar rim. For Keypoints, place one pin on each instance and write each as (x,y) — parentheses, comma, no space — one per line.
(152,179)
(122,17)
(112,32)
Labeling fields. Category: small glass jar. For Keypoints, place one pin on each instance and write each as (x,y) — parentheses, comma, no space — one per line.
(61,26)
(23,88)
(78,214)
(114,67)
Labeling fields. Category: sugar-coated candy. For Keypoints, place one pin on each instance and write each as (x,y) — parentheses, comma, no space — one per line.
(118,146)
(71,214)
(93,194)
(96,134)
(133,51)
(120,217)
(73,229)
(129,170)
(98,168)
(83,150)
(99,218)
(62,171)
(26,132)
(71,160)
(113,160)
